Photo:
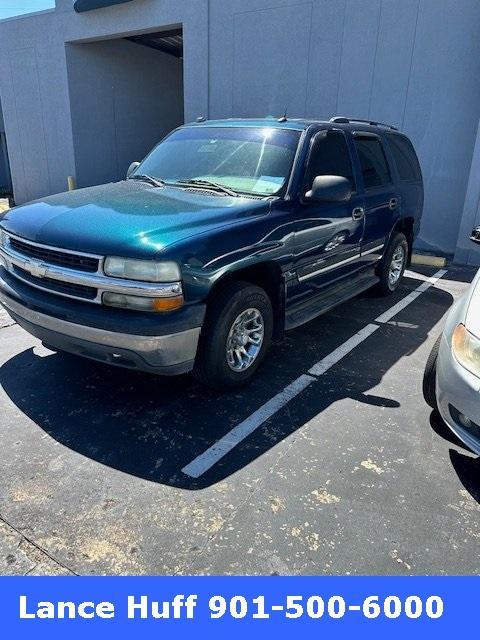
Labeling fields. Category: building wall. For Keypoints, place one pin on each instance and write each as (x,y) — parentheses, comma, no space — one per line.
(124,98)
(414,63)
(34,79)
(466,251)
(34,96)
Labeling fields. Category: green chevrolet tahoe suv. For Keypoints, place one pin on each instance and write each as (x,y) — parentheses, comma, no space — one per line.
(228,234)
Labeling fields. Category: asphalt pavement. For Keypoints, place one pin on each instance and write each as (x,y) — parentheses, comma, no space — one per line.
(330,462)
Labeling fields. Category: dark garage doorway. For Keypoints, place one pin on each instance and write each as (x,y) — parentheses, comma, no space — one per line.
(5,176)
(126,94)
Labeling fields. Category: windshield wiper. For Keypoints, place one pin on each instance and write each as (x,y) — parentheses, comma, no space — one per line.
(200,182)
(156,182)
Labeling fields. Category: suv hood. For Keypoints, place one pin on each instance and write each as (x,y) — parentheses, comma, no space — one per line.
(129,218)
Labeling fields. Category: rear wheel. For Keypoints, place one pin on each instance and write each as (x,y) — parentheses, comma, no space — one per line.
(392,265)
(430,376)
(235,337)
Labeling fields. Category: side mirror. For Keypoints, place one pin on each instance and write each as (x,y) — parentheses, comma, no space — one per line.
(475,235)
(330,189)
(132,168)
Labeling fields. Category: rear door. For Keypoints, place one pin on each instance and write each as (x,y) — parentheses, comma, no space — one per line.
(409,176)
(382,199)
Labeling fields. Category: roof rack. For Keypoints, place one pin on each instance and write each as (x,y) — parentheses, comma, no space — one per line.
(344,120)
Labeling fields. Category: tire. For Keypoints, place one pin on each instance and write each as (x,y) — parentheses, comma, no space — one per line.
(430,376)
(386,286)
(212,367)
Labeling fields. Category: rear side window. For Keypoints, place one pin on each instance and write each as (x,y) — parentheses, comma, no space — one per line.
(405,158)
(329,156)
(373,162)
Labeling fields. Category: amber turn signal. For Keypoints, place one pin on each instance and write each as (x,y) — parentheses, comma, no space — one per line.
(167,304)
(142,303)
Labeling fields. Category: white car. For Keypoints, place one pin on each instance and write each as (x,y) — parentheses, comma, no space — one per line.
(451,382)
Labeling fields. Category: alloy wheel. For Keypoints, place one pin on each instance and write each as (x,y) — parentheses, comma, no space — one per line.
(396,265)
(245,339)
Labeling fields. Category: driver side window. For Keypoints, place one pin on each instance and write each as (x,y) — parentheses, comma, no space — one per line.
(329,156)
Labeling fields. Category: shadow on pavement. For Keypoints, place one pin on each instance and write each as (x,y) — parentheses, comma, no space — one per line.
(441,429)
(152,427)
(466,467)
(468,471)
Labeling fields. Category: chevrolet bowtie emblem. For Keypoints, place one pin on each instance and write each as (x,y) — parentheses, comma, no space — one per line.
(37,269)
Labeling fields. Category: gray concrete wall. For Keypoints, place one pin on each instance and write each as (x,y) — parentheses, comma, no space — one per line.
(34,95)
(34,87)
(124,98)
(466,251)
(414,63)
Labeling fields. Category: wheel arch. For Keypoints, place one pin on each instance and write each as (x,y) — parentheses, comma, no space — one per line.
(404,225)
(266,275)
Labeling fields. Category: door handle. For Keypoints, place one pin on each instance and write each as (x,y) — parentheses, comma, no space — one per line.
(393,204)
(358,213)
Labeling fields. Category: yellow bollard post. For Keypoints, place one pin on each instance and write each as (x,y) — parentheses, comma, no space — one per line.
(71,183)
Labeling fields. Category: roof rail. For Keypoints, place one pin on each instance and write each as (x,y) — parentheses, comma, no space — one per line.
(344,120)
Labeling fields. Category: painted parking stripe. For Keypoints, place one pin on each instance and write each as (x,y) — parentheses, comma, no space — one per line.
(426,284)
(202,463)
(340,352)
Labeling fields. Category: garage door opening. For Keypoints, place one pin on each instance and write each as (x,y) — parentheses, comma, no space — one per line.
(126,94)
(5,177)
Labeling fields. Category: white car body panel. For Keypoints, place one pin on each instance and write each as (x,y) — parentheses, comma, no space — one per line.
(457,389)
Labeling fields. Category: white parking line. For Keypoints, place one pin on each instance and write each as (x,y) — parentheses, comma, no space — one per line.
(340,352)
(390,313)
(202,463)
(208,458)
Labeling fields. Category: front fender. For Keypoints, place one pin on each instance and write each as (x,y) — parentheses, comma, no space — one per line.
(208,258)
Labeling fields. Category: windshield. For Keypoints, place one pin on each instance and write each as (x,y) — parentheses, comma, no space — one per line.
(247,160)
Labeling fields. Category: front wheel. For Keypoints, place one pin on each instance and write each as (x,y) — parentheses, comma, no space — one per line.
(235,337)
(392,265)
(430,376)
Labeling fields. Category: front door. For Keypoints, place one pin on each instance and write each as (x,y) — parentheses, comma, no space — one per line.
(382,202)
(327,234)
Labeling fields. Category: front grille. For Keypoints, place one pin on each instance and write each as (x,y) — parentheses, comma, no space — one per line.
(54,256)
(57,286)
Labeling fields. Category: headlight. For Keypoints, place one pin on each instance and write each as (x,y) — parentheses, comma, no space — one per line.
(3,238)
(144,270)
(142,303)
(466,349)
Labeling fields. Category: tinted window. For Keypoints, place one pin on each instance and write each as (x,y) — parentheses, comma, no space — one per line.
(405,158)
(372,161)
(329,157)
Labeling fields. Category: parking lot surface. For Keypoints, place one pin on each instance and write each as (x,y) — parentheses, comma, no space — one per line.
(329,462)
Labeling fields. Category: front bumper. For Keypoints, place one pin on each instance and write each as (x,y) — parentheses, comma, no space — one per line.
(458,392)
(171,353)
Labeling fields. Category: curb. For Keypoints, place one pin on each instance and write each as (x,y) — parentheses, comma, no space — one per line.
(428,261)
